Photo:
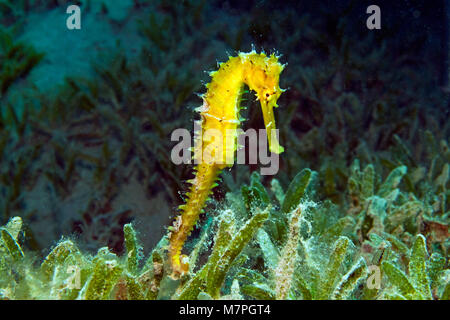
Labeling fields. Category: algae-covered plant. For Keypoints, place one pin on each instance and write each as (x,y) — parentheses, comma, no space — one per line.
(90,197)
(268,244)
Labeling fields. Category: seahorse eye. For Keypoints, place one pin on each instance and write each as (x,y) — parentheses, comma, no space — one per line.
(267,95)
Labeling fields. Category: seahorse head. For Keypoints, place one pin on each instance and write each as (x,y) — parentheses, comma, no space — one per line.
(262,75)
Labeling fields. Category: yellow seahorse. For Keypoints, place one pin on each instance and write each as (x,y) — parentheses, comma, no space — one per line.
(220,116)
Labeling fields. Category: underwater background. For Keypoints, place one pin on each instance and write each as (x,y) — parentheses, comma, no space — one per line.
(86,120)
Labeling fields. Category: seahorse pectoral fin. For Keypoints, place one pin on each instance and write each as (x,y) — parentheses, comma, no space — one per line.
(269,122)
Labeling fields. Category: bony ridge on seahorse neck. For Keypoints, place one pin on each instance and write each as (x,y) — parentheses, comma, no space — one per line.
(220,113)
